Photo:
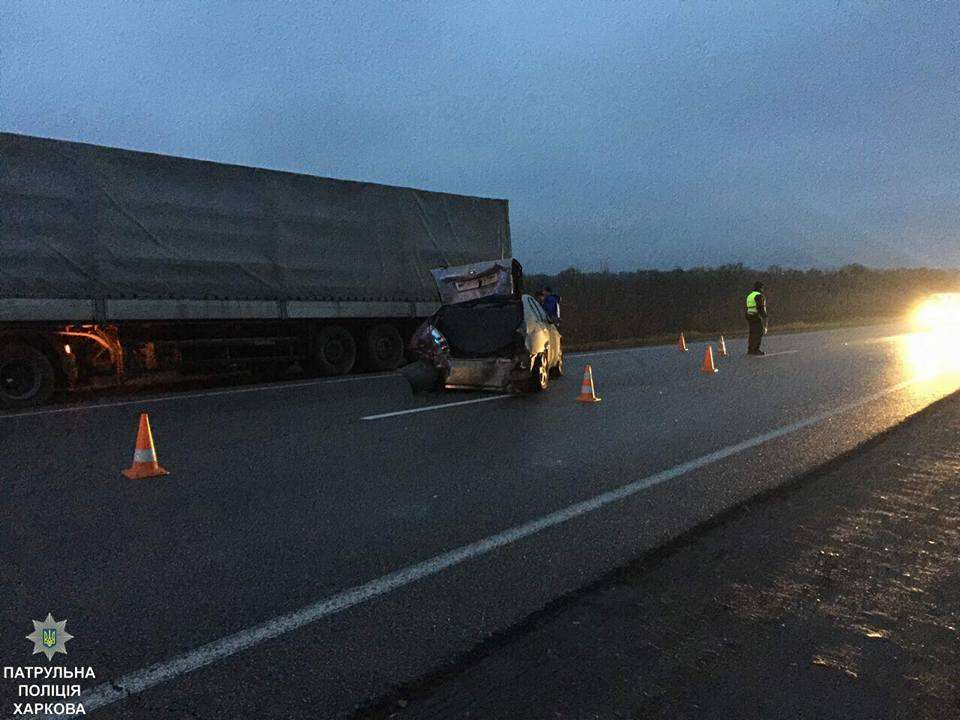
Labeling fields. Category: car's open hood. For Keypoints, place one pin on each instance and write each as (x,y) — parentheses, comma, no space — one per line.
(494,278)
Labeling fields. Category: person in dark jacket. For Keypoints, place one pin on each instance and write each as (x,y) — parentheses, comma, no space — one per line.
(551,304)
(756,318)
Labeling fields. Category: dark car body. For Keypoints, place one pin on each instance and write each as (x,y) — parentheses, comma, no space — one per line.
(487,334)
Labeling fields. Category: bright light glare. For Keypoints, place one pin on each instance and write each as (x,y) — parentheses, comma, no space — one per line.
(938,312)
(932,353)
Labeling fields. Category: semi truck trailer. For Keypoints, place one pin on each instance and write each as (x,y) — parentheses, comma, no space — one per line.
(117,264)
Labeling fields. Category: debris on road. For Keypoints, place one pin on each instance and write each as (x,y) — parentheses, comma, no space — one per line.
(422,376)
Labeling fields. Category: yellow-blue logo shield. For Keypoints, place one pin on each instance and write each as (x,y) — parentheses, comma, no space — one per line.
(49,637)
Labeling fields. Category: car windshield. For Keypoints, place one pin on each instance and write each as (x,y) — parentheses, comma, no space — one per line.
(477,329)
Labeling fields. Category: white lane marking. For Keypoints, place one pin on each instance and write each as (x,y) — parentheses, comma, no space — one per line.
(880,340)
(585,353)
(691,343)
(140,680)
(429,408)
(187,395)
(782,352)
(589,353)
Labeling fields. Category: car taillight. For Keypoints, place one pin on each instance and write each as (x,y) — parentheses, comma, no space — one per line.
(439,341)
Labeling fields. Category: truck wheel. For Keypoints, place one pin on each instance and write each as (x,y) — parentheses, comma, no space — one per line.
(335,351)
(26,376)
(382,347)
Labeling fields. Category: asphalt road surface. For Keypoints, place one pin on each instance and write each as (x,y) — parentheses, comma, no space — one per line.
(317,543)
(830,598)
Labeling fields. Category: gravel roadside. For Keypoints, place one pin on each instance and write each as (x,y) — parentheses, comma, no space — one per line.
(835,597)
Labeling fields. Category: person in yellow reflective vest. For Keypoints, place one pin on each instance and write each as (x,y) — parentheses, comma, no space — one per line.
(756,318)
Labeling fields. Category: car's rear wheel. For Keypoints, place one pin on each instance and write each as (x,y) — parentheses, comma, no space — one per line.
(540,375)
(558,368)
(26,376)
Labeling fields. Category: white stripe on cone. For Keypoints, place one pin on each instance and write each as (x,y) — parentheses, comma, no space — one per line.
(144,455)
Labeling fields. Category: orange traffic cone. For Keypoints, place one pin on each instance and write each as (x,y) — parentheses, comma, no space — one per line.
(722,349)
(145,463)
(681,343)
(708,368)
(587,393)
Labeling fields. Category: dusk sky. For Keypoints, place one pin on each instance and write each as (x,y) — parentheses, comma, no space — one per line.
(625,135)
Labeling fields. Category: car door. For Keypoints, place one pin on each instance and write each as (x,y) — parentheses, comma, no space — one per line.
(539,329)
(556,349)
(554,334)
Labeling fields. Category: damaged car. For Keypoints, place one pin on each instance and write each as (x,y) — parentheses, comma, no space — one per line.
(487,334)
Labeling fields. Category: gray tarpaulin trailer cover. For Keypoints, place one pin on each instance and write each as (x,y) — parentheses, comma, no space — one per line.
(96,233)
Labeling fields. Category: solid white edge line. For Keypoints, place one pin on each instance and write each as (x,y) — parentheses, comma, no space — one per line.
(429,408)
(140,680)
(188,396)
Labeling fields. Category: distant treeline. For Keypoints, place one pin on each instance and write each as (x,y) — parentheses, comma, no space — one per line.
(600,306)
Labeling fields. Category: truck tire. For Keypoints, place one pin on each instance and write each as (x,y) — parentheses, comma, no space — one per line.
(335,351)
(382,347)
(26,376)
